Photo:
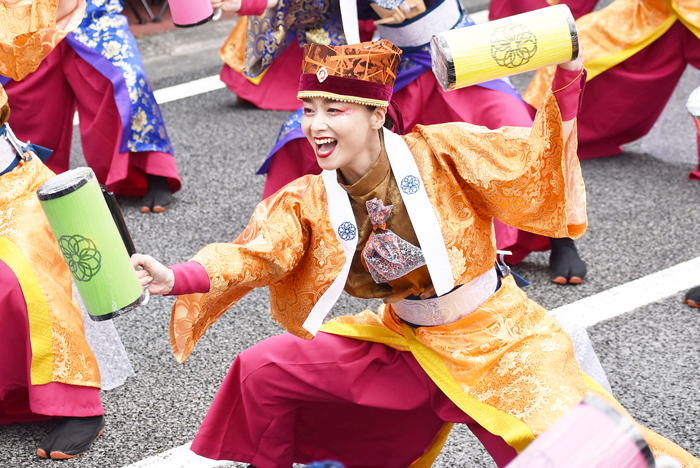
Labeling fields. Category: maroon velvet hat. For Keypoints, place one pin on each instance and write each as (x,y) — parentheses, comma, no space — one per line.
(359,73)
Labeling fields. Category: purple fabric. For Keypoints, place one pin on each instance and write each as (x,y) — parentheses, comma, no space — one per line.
(115,76)
(190,278)
(4,80)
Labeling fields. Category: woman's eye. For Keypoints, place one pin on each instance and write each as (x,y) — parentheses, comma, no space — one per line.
(334,111)
(307,111)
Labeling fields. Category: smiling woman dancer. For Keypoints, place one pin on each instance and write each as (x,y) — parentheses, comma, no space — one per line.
(408,219)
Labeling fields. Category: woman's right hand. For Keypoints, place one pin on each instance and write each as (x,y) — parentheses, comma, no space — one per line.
(159,278)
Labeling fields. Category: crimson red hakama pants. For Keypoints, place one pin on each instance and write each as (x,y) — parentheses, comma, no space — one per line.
(363,404)
(501,8)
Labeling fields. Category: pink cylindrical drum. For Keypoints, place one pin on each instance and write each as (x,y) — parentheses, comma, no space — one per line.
(592,435)
(693,106)
(188,13)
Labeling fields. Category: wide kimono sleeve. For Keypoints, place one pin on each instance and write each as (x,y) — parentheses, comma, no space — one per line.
(268,250)
(528,178)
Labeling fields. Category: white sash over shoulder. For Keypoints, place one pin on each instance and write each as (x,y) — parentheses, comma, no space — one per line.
(420,211)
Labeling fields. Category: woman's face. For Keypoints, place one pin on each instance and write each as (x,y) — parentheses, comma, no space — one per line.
(344,135)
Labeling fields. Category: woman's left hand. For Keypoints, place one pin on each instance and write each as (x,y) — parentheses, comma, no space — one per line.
(406,10)
(574,65)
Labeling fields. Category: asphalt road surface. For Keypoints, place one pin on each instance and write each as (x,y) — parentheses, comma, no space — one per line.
(644,217)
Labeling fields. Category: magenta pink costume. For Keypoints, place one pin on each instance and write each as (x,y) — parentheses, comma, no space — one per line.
(98,70)
(20,401)
(501,8)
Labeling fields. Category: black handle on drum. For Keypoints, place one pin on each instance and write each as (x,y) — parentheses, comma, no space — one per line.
(118,220)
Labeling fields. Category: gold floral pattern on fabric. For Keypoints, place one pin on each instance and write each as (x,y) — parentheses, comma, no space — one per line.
(233,50)
(471,174)
(624,25)
(29,32)
(279,248)
(23,222)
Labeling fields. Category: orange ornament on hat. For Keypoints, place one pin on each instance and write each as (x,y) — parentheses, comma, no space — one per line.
(360,73)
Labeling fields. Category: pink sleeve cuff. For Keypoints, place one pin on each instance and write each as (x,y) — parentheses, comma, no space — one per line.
(252,7)
(190,278)
(568,88)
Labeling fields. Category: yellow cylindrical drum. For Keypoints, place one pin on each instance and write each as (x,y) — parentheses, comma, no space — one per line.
(508,46)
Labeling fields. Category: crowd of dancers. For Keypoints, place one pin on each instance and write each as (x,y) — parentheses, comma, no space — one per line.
(363,101)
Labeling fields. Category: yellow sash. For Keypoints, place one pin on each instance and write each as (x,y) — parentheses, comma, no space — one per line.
(39,319)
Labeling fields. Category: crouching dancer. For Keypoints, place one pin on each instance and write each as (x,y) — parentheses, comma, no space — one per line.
(408,219)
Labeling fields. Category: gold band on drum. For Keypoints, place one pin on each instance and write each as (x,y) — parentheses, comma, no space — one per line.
(517,44)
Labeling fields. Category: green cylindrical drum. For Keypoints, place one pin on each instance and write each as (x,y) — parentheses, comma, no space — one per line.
(91,244)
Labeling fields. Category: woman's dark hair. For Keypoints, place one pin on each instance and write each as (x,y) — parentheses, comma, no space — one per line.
(388,121)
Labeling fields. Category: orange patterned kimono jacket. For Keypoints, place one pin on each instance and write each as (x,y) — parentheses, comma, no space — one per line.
(28,32)
(614,34)
(60,353)
(507,364)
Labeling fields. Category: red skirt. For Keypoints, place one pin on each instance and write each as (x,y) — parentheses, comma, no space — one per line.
(278,89)
(501,8)
(288,400)
(20,401)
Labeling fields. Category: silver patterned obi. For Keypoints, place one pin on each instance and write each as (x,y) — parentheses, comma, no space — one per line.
(450,307)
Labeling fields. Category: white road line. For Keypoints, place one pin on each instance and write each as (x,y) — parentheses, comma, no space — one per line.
(587,311)
(181,91)
(630,296)
(189,89)
(179,457)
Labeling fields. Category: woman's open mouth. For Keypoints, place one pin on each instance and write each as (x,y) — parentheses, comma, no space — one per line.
(325,146)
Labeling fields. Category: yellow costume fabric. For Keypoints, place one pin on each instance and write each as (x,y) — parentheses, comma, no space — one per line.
(508,365)
(28,32)
(60,352)
(614,34)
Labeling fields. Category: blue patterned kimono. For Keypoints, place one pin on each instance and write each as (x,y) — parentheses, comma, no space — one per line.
(103,39)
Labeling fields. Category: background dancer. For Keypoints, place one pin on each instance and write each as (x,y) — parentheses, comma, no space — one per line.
(47,369)
(98,70)
(636,52)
